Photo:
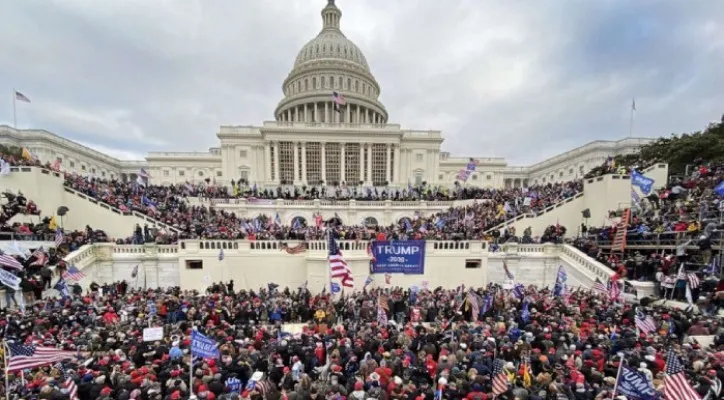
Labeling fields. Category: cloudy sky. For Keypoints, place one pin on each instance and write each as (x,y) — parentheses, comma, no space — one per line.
(523,79)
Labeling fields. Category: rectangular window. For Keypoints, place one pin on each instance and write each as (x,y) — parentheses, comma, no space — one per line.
(314,163)
(471,264)
(379,164)
(72,164)
(218,173)
(242,153)
(418,157)
(334,162)
(181,173)
(194,264)
(286,162)
(166,172)
(418,178)
(244,175)
(351,163)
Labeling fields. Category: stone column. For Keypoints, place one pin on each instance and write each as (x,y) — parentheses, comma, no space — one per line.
(267,162)
(367,115)
(316,113)
(304,163)
(388,163)
(396,165)
(324,161)
(296,162)
(276,162)
(369,164)
(348,113)
(326,112)
(306,113)
(361,163)
(343,162)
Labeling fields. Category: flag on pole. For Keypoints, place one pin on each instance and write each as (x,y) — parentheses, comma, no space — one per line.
(633,104)
(507,271)
(676,386)
(338,100)
(500,380)
(58,237)
(337,265)
(21,97)
(599,287)
(30,356)
(645,323)
(10,261)
(73,274)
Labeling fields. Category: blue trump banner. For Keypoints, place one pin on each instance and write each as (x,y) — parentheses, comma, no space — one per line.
(398,257)
(642,182)
(202,346)
(634,385)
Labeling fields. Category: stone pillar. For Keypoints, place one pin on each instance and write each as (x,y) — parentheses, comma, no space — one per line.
(304,163)
(323,149)
(316,113)
(343,162)
(396,165)
(369,164)
(276,162)
(367,116)
(361,163)
(388,163)
(326,112)
(306,112)
(267,162)
(296,162)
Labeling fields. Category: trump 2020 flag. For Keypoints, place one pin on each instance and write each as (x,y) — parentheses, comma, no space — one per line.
(634,385)
(202,346)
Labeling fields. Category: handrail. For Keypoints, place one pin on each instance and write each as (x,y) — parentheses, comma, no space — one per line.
(670,239)
(535,214)
(30,237)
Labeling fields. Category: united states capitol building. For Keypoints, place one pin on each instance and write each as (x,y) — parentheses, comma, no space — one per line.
(317,138)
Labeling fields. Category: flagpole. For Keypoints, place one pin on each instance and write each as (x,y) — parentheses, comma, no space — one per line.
(631,121)
(618,376)
(6,353)
(15,113)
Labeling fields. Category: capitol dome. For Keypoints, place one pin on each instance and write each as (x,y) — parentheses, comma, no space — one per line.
(327,65)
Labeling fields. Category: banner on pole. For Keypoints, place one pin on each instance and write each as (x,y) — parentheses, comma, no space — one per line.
(398,257)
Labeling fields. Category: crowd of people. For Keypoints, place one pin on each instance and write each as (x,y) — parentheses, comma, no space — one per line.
(168,204)
(378,344)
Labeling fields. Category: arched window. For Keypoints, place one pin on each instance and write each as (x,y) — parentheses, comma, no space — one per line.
(331,81)
(370,221)
(323,83)
(314,83)
(306,84)
(299,222)
(349,84)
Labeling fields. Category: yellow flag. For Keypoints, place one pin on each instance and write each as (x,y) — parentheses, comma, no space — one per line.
(26,154)
(52,225)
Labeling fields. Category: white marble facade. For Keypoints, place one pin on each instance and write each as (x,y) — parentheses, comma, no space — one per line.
(315,140)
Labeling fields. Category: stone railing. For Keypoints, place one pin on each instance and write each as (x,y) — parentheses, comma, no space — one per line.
(535,214)
(152,221)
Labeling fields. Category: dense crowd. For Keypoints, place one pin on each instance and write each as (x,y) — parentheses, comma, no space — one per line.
(378,344)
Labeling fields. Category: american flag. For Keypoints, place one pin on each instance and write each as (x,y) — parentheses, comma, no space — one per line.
(645,323)
(381,315)
(10,261)
(675,384)
(614,290)
(337,265)
(73,274)
(58,236)
(21,97)
(500,381)
(694,281)
(24,357)
(598,286)
(474,302)
(338,99)
(69,385)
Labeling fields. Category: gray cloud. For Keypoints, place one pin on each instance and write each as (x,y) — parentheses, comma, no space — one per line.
(523,80)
